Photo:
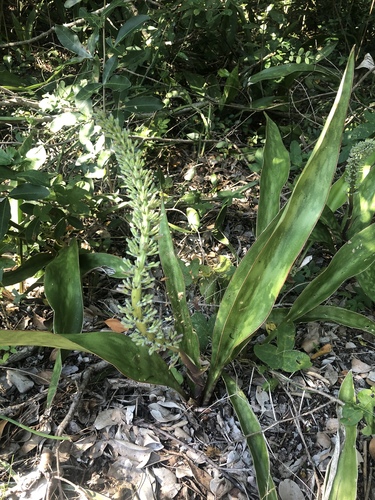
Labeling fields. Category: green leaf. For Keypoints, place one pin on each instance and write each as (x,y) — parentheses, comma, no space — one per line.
(254,437)
(32,230)
(4,217)
(321,234)
(33,431)
(131,25)
(112,265)
(275,171)
(6,262)
(342,473)
(71,41)
(87,91)
(351,414)
(28,191)
(175,285)
(118,83)
(352,258)
(277,72)
(193,218)
(131,360)
(267,353)
(109,68)
(324,52)
(332,314)
(54,382)
(63,289)
(10,80)
(197,83)
(255,285)
(329,219)
(366,280)
(27,269)
(6,159)
(366,399)
(145,104)
(269,102)
(283,356)
(203,328)
(231,87)
(364,197)
(34,177)
(70,3)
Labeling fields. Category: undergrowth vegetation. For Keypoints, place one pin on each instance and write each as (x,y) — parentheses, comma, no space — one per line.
(269,86)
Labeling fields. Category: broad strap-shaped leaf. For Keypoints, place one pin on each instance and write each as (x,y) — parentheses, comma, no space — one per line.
(175,285)
(4,217)
(112,265)
(329,219)
(63,289)
(255,440)
(338,194)
(339,315)
(364,197)
(255,285)
(342,474)
(322,235)
(329,314)
(28,269)
(231,88)
(283,70)
(275,171)
(366,280)
(352,258)
(131,360)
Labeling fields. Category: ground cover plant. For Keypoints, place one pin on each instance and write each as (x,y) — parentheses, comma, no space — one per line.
(119,95)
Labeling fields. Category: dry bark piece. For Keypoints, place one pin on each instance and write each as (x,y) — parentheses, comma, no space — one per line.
(323,440)
(289,490)
(311,340)
(326,349)
(19,380)
(359,366)
(371,448)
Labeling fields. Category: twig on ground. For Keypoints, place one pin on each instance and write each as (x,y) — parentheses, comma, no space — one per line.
(223,470)
(10,411)
(101,365)
(368,485)
(283,379)
(290,419)
(296,417)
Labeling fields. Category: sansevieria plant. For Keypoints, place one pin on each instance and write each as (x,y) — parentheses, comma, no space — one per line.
(282,233)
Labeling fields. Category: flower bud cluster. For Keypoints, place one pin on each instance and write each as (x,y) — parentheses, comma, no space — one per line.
(140,315)
(358,153)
